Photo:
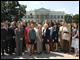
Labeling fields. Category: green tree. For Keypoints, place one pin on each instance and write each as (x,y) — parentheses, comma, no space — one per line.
(75,18)
(68,18)
(10,12)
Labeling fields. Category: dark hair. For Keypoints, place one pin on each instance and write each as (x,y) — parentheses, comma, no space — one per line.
(60,20)
(28,23)
(55,24)
(18,21)
(35,25)
(76,24)
(65,22)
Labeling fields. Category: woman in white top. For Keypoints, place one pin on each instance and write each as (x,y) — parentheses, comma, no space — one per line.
(66,38)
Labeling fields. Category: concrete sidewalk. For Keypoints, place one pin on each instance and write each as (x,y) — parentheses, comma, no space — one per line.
(52,55)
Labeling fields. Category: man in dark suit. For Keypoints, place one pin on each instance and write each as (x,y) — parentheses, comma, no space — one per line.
(24,24)
(12,40)
(5,37)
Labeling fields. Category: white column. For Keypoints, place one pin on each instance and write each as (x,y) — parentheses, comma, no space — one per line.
(44,16)
(27,17)
(35,17)
(39,17)
(60,17)
(49,20)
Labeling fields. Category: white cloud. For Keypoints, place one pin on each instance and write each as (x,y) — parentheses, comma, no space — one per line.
(36,2)
(63,9)
(73,13)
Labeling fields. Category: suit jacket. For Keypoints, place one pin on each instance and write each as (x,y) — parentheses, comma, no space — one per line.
(19,34)
(24,26)
(47,34)
(12,31)
(6,35)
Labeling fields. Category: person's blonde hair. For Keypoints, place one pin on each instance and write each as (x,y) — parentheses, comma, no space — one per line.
(45,25)
(38,26)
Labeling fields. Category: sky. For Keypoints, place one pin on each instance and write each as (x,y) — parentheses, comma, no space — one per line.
(69,7)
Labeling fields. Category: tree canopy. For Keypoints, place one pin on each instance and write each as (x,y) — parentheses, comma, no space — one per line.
(12,11)
(75,18)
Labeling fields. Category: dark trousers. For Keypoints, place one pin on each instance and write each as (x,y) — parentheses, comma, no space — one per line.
(11,45)
(44,48)
(3,46)
(65,46)
(14,43)
(24,45)
(7,45)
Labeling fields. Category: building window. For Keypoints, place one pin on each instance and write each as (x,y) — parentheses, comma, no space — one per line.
(28,16)
(25,16)
(58,16)
(54,16)
(54,20)
(51,16)
(28,20)
(37,16)
(45,16)
(51,20)
(30,13)
(61,16)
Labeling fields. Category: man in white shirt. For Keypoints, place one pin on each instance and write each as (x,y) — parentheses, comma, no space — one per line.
(35,27)
(37,22)
(60,35)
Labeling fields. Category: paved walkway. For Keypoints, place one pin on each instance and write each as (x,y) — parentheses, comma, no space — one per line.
(52,55)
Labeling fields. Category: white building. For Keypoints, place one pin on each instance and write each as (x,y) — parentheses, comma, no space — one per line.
(42,14)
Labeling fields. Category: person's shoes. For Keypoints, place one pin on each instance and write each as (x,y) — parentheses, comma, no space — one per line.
(3,55)
(47,53)
(61,50)
(50,50)
(40,52)
(22,50)
(20,54)
(11,54)
(55,50)
(29,54)
(67,53)
(32,53)
(72,51)
(7,52)
(14,52)
(75,55)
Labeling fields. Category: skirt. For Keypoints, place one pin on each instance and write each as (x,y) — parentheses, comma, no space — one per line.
(75,43)
(32,42)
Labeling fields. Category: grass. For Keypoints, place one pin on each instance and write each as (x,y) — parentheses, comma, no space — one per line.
(69,25)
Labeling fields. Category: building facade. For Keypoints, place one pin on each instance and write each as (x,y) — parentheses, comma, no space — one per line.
(42,14)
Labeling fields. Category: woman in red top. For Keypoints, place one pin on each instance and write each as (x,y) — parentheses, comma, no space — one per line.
(26,36)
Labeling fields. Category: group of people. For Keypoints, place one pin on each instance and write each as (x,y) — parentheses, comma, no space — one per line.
(39,37)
